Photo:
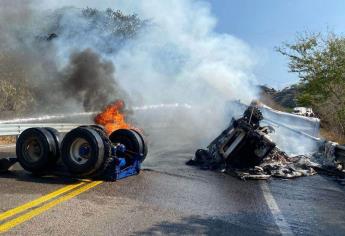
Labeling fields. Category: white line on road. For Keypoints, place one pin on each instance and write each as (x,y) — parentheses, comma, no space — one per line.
(277,215)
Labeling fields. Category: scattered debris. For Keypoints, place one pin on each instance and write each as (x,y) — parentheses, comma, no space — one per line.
(279,164)
(331,156)
(328,154)
(6,163)
(245,150)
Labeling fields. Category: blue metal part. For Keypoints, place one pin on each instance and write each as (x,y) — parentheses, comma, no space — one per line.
(121,148)
(121,162)
(84,150)
(123,171)
(121,166)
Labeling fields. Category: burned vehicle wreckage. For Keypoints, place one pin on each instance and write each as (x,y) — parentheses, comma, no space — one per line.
(245,150)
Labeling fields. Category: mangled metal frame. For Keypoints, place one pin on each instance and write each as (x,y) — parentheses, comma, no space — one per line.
(245,150)
(243,144)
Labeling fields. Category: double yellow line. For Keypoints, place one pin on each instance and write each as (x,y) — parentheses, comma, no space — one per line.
(42,204)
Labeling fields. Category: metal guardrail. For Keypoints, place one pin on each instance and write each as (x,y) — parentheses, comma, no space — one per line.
(17,129)
(293,130)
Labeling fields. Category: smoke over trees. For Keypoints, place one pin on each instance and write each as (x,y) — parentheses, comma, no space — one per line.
(175,57)
(35,78)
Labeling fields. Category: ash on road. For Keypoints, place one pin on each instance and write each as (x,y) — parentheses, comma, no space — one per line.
(169,197)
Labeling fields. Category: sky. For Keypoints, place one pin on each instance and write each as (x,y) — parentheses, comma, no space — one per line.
(266,24)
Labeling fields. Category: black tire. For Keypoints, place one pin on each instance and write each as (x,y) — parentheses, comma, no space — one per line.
(132,141)
(84,165)
(101,172)
(95,127)
(36,150)
(57,139)
(144,143)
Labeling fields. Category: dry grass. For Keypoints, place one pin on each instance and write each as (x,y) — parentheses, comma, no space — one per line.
(267,100)
(7,140)
(332,136)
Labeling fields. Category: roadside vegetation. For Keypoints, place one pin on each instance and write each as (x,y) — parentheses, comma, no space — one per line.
(15,95)
(319,61)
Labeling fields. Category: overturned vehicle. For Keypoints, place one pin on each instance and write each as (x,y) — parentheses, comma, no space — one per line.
(86,151)
(243,144)
(244,149)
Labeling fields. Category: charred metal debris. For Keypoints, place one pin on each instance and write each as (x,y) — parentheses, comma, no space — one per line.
(245,150)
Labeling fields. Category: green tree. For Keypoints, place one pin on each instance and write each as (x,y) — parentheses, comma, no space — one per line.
(319,61)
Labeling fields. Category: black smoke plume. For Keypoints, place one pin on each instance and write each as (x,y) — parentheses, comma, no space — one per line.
(90,80)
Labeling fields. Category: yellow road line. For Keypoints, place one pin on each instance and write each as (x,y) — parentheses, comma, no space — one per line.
(27,216)
(38,201)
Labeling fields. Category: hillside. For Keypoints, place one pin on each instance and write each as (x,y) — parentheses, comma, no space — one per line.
(281,99)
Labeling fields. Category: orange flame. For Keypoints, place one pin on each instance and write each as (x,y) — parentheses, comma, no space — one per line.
(112,117)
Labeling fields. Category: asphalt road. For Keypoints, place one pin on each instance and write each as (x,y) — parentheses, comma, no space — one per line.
(170,198)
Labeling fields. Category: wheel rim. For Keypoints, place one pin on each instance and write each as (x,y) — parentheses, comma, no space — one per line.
(80,151)
(33,150)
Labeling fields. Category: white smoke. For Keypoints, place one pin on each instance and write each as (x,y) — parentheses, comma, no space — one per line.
(177,58)
(183,59)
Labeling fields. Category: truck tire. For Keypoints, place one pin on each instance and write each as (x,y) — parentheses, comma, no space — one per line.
(36,150)
(57,139)
(95,127)
(131,139)
(101,172)
(145,151)
(84,151)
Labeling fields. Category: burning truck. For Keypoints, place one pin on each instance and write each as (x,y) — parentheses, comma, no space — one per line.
(245,149)
(110,150)
(243,144)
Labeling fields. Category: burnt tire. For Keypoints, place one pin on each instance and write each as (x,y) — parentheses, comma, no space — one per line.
(36,150)
(84,151)
(131,139)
